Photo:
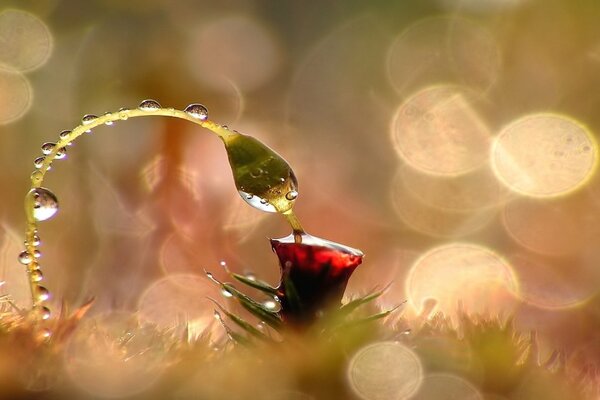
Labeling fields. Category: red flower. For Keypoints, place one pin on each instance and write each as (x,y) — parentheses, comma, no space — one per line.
(314,274)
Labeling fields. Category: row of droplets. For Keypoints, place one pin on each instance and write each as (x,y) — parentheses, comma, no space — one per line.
(43,203)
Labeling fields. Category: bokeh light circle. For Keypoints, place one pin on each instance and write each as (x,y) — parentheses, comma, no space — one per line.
(181,300)
(234,51)
(549,227)
(439,131)
(446,386)
(431,219)
(26,41)
(443,49)
(385,371)
(16,96)
(554,287)
(464,273)
(113,355)
(544,155)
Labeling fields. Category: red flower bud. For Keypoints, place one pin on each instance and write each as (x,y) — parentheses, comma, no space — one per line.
(314,275)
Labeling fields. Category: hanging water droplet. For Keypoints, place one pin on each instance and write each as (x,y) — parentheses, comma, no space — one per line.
(250,276)
(41,293)
(25,258)
(36,275)
(48,147)
(149,105)
(257,202)
(197,111)
(61,153)
(64,134)
(36,240)
(45,203)
(88,119)
(108,122)
(38,162)
(291,195)
(37,254)
(226,293)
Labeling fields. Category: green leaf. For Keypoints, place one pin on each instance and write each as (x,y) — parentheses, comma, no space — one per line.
(255,283)
(242,323)
(254,307)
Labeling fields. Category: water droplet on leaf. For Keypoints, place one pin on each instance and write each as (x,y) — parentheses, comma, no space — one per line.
(42,312)
(25,258)
(64,134)
(88,119)
(48,147)
(226,293)
(291,195)
(41,293)
(44,204)
(61,153)
(38,162)
(149,105)
(197,111)
(36,275)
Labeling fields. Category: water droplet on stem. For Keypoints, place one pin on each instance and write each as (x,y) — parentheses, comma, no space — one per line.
(48,147)
(149,105)
(88,119)
(44,203)
(197,111)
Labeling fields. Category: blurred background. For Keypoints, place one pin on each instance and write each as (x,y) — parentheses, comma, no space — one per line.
(453,141)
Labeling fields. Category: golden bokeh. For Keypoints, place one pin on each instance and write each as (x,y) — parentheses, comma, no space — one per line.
(462,275)
(385,370)
(439,131)
(544,155)
(26,43)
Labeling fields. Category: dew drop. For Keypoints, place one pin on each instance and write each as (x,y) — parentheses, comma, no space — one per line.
(38,162)
(217,316)
(257,202)
(88,119)
(41,293)
(25,258)
(46,333)
(272,305)
(123,114)
(197,111)
(37,254)
(250,276)
(36,176)
(42,312)
(149,105)
(255,173)
(109,122)
(291,195)
(48,147)
(45,204)
(36,240)
(61,153)
(36,275)
(64,134)
(226,293)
